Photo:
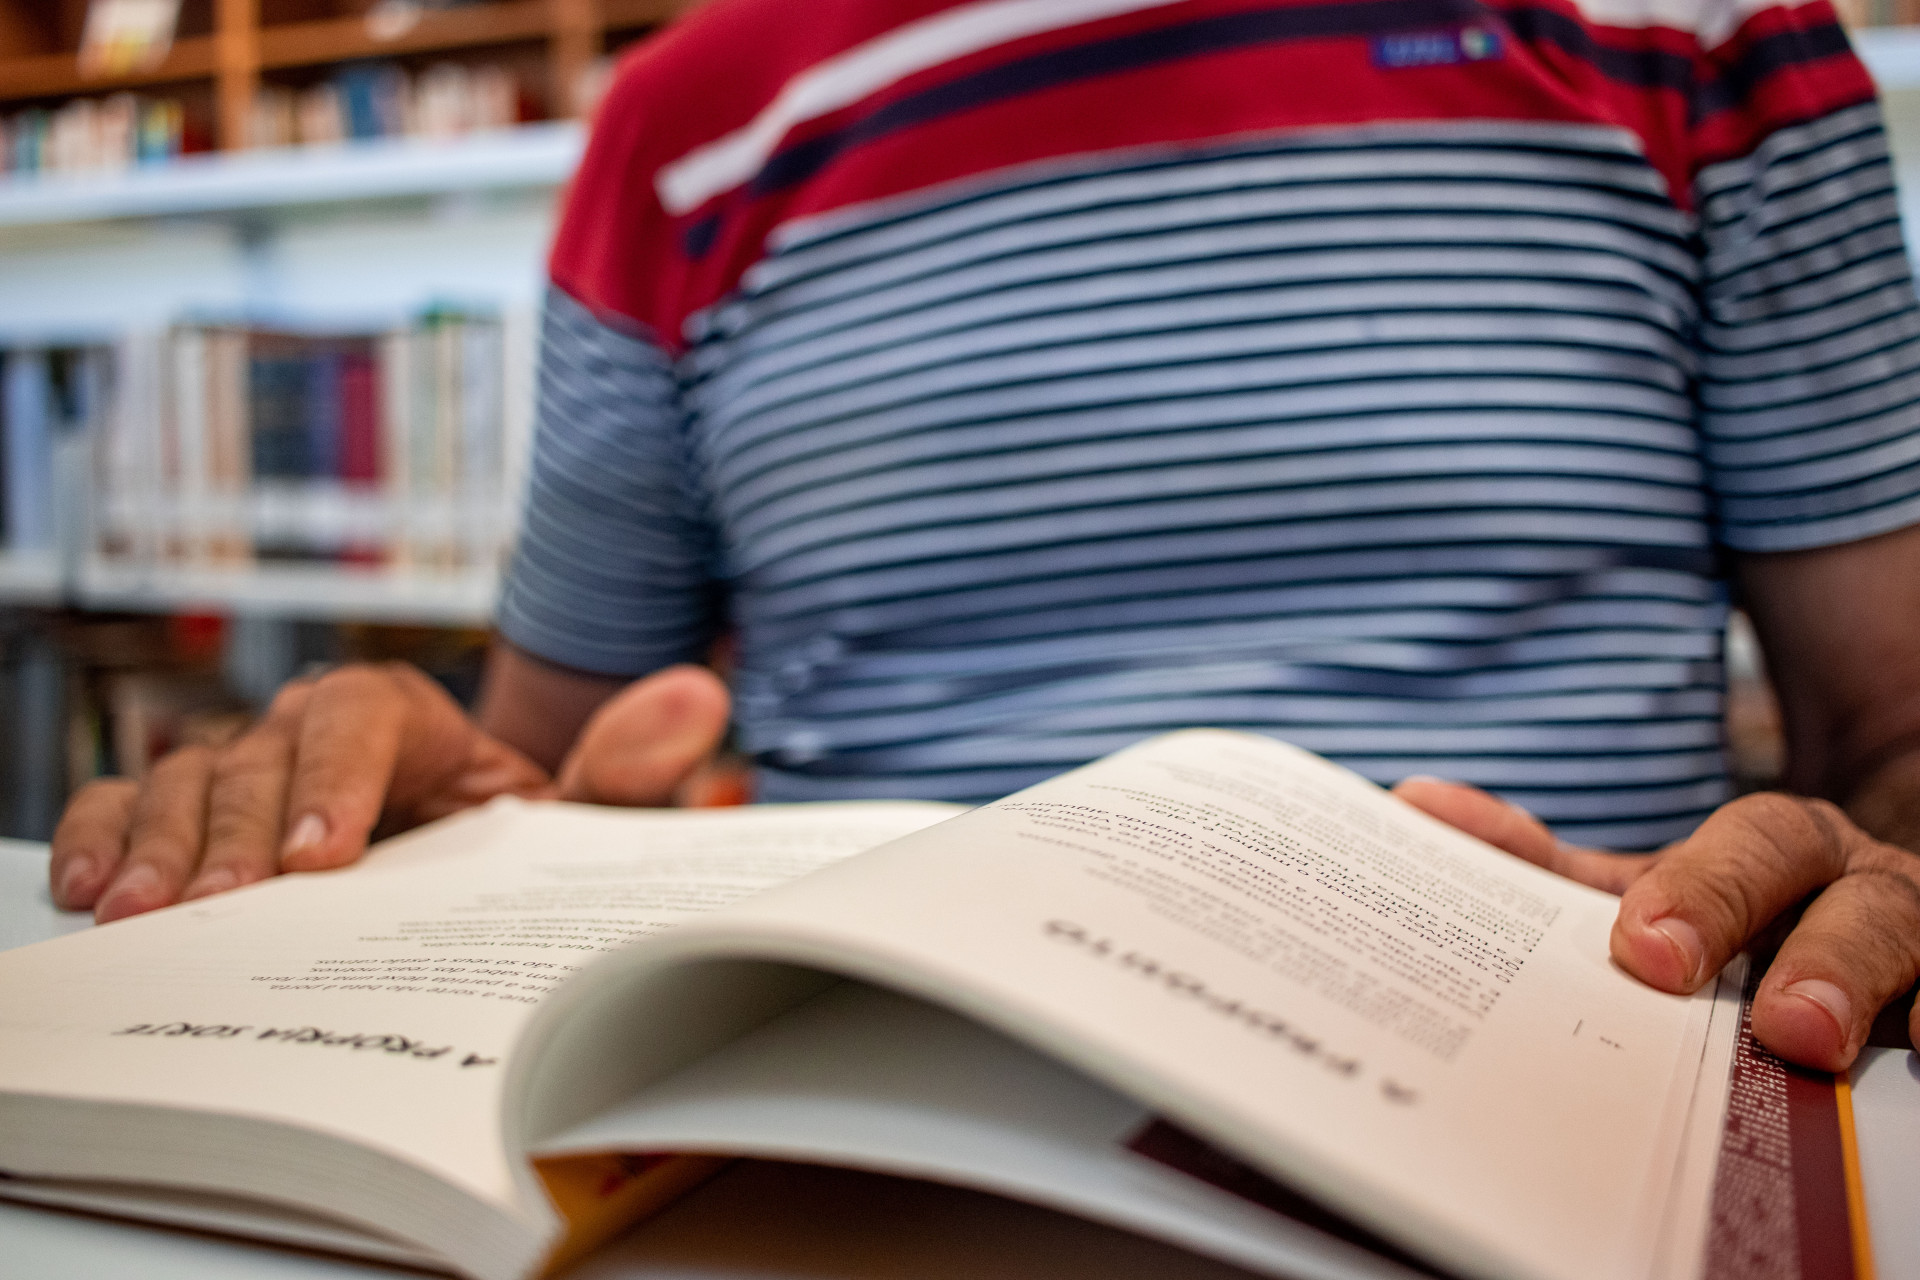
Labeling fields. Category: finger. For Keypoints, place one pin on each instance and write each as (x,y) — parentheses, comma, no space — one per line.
(246,805)
(1509,827)
(1856,947)
(647,739)
(492,768)
(1710,894)
(344,761)
(90,841)
(164,838)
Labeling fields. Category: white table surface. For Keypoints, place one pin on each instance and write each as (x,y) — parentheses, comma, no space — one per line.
(822,1224)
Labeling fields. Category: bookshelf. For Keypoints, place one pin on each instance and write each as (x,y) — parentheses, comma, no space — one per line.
(355,237)
(365,236)
(224,48)
(354,241)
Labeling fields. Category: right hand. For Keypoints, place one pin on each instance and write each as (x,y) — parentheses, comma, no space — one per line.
(360,751)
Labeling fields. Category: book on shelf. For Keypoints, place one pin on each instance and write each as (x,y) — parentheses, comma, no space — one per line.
(1212,989)
(234,446)
(384,100)
(154,711)
(26,419)
(94,135)
(45,394)
(127,35)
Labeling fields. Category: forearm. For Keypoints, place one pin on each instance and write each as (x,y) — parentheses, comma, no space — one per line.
(536,707)
(1837,625)
(1886,801)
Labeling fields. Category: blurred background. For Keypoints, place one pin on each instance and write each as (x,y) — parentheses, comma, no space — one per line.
(269,281)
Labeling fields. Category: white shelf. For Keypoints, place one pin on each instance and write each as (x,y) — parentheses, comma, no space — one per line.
(31,578)
(323,592)
(1892,54)
(538,155)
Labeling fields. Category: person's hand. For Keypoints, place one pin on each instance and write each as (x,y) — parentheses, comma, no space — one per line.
(654,744)
(332,760)
(1687,910)
(361,751)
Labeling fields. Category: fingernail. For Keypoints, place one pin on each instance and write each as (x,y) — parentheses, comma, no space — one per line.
(218,880)
(135,891)
(1828,997)
(307,834)
(1686,942)
(77,883)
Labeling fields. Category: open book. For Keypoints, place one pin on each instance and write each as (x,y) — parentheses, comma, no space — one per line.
(1211,988)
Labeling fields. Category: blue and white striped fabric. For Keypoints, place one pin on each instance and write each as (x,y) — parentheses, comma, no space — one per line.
(1809,382)
(1416,445)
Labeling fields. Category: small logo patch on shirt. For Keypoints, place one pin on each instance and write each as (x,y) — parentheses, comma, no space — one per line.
(1436,48)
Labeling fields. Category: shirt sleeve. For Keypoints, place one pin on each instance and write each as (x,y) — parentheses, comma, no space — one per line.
(611,572)
(1810,339)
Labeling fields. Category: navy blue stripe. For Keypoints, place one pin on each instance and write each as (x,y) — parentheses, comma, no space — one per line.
(1764,57)
(1634,185)
(877,320)
(1647,258)
(1295,567)
(1643,68)
(1509,368)
(1115,55)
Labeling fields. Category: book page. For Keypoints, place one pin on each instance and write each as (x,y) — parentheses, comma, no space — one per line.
(379,1003)
(866,1079)
(1419,1030)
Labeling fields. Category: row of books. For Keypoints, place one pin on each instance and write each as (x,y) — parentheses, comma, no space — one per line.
(92,135)
(230,445)
(382,100)
(123,130)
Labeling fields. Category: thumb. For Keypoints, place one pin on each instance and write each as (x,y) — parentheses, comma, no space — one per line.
(646,739)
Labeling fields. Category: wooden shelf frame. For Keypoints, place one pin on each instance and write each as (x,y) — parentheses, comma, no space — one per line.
(237,53)
(47,75)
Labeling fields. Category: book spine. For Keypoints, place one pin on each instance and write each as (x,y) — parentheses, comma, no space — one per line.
(360,449)
(324,527)
(480,443)
(437,442)
(191,471)
(229,447)
(397,413)
(277,407)
(519,357)
(6,432)
(127,471)
(29,451)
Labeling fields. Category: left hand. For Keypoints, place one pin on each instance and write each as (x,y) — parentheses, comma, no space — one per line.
(1688,909)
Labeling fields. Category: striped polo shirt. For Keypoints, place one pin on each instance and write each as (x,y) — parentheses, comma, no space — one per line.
(1013,379)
